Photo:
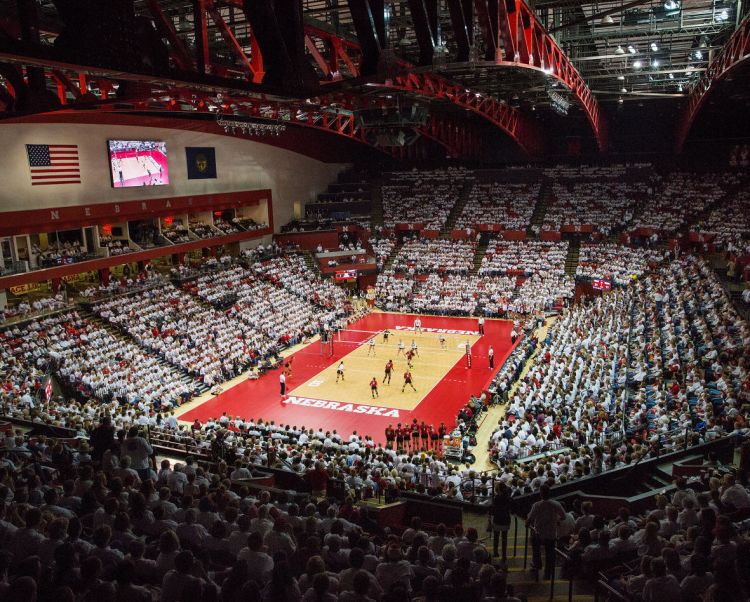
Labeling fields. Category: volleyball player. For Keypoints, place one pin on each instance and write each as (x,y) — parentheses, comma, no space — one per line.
(371,348)
(388,370)
(390,437)
(409,358)
(418,325)
(407,381)
(443,344)
(386,334)
(414,347)
(340,371)
(424,435)
(401,347)
(414,435)
(399,436)
(374,388)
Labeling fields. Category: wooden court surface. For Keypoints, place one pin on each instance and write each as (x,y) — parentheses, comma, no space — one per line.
(362,363)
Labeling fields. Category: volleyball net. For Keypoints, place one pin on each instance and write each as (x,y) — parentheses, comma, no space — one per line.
(436,341)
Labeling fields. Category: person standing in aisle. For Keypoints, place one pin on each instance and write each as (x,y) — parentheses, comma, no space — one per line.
(481,325)
(282,384)
(491,356)
(543,519)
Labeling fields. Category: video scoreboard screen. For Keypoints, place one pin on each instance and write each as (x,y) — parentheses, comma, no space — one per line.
(345,275)
(601,285)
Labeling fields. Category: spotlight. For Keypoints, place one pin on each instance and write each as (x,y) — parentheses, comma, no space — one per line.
(723,15)
(637,64)
(619,50)
(654,47)
(631,49)
(621,78)
(623,90)
(655,63)
(619,100)
(671,5)
(671,76)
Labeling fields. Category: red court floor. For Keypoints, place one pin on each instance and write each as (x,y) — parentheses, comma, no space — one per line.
(260,398)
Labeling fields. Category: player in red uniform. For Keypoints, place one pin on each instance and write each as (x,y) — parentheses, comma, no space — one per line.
(374,388)
(424,435)
(390,436)
(399,436)
(409,357)
(388,370)
(407,381)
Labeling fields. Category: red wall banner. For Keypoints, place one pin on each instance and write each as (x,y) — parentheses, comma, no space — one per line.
(78,216)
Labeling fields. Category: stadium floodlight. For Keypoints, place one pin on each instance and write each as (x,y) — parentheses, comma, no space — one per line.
(621,78)
(631,49)
(654,47)
(671,4)
(619,50)
(655,63)
(637,64)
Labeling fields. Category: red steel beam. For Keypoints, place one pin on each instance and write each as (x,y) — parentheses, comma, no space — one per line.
(734,52)
(256,75)
(200,25)
(522,130)
(527,44)
(165,27)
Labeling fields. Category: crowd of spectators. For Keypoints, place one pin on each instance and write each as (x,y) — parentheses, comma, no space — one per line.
(510,204)
(422,197)
(730,223)
(525,257)
(681,196)
(427,256)
(615,263)
(602,197)
(176,232)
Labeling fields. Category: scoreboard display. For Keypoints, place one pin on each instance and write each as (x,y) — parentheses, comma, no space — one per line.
(601,285)
(345,275)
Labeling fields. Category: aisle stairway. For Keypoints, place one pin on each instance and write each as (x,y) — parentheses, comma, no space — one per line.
(457,209)
(392,256)
(311,263)
(478,255)
(527,582)
(540,209)
(571,259)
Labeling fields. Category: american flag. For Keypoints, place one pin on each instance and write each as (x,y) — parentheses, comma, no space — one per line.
(53,164)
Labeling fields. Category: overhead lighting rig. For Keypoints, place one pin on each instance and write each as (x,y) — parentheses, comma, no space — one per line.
(250,128)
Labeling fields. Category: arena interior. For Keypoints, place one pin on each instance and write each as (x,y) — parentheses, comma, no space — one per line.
(374,300)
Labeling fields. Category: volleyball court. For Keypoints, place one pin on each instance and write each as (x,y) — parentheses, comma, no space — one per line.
(146,168)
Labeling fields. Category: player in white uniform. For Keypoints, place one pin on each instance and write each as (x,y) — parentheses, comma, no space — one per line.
(340,371)
(371,348)
(401,347)
(418,325)
(414,347)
